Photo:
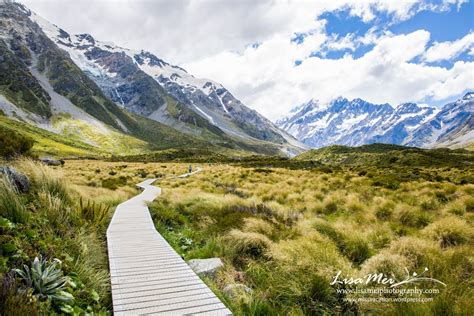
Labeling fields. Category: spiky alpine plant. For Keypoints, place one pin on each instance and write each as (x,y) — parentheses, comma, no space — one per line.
(46,279)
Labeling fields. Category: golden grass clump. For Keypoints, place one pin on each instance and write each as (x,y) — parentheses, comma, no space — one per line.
(383,208)
(309,252)
(421,253)
(257,225)
(11,205)
(390,264)
(450,231)
(248,244)
(58,214)
(45,179)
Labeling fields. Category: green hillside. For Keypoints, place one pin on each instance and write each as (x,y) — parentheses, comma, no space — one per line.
(47,143)
(387,156)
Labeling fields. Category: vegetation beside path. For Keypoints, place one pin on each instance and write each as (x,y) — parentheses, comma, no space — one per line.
(54,237)
(285,233)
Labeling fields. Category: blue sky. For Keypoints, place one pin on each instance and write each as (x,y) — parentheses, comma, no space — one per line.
(276,54)
(380,51)
(444,24)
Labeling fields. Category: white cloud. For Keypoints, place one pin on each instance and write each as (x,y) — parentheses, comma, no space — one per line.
(211,40)
(183,30)
(449,50)
(340,43)
(266,79)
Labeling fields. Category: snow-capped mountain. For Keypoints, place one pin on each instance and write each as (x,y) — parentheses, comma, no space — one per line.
(453,126)
(76,85)
(145,84)
(354,122)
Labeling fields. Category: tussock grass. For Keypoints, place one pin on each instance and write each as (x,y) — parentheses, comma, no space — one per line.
(54,224)
(284,233)
(249,244)
(45,179)
(11,205)
(450,231)
(390,264)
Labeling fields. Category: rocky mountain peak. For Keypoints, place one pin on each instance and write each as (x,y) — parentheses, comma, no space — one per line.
(468,96)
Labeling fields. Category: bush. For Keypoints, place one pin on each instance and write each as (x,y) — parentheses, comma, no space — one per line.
(114,183)
(142,173)
(13,301)
(14,144)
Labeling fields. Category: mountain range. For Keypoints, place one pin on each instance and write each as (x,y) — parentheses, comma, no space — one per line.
(77,86)
(114,100)
(358,122)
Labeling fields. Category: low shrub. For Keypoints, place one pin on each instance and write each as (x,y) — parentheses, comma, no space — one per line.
(114,183)
(14,144)
(13,301)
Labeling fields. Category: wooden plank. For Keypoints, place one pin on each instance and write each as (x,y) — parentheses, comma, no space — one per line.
(147,275)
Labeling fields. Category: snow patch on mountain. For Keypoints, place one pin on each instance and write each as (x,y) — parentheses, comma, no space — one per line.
(354,122)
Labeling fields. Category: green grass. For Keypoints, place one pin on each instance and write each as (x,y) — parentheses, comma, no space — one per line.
(50,221)
(284,231)
(11,204)
(47,143)
(387,156)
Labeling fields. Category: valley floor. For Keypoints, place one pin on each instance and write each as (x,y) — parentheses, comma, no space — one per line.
(283,234)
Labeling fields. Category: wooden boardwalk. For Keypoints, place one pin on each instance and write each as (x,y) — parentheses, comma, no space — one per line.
(147,275)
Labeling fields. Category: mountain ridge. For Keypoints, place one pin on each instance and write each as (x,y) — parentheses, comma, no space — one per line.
(43,83)
(137,75)
(357,122)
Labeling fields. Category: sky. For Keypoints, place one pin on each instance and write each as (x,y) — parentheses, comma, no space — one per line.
(274,55)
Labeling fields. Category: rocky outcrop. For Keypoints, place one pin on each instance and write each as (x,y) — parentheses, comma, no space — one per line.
(52,162)
(17,179)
